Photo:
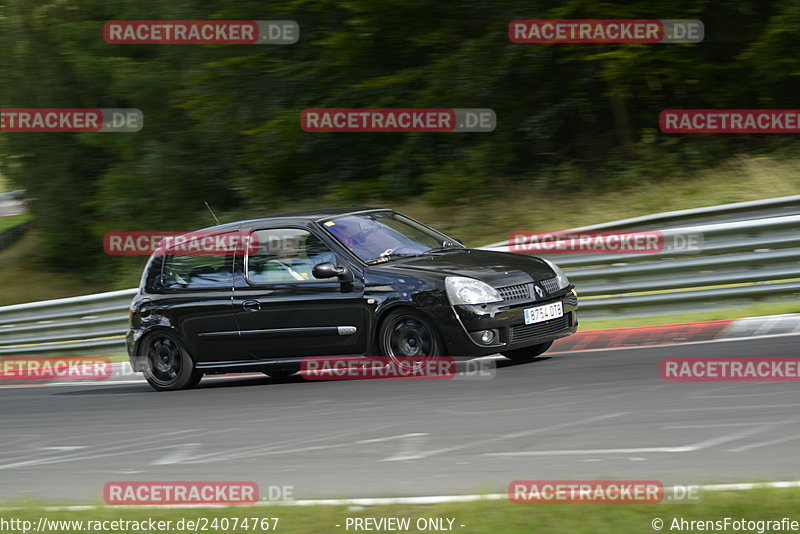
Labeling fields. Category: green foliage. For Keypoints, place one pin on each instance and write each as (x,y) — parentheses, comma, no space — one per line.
(222,121)
(10,221)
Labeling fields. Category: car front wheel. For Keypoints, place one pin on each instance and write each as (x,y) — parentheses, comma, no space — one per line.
(527,353)
(409,339)
(167,364)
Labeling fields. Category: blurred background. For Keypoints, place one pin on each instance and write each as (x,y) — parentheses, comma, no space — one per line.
(577,139)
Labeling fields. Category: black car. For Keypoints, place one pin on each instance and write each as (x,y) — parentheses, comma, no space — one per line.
(362,282)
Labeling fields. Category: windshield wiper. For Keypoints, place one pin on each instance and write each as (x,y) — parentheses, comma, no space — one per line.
(443,249)
(391,256)
(395,255)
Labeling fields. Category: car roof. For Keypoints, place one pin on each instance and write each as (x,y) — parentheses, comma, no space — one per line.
(297,216)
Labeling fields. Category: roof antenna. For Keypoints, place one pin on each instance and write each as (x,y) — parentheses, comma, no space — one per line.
(212,213)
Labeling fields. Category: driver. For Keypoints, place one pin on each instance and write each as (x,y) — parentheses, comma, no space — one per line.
(293,257)
(288,261)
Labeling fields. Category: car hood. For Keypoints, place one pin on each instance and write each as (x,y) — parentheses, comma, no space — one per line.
(495,268)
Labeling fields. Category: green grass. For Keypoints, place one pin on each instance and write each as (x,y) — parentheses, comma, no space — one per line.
(477,517)
(10,221)
(754,310)
(116,357)
(21,281)
(526,208)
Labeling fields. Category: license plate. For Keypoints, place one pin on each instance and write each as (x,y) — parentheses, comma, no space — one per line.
(544,313)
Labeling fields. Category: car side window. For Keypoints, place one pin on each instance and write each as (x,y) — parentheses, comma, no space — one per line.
(197,271)
(285,255)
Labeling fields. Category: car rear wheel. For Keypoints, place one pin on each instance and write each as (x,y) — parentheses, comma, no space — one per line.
(527,353)
(408,339)
(167,364)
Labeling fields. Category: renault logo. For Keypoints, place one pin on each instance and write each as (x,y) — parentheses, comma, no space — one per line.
(539,290)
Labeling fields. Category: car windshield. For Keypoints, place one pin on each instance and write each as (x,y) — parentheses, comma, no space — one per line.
(383,235)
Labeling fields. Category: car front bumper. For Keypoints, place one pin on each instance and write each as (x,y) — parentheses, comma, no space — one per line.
(132,338)
(461,326)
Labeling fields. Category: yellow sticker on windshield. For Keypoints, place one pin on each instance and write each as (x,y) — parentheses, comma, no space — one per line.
(330,223)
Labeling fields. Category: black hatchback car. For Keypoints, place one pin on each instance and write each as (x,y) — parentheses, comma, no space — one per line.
(359,282)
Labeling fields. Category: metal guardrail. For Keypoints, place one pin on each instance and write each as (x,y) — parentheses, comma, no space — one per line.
(88,324)
(742,261)
(725,213)
(750,253)
(12,195)
(12,202)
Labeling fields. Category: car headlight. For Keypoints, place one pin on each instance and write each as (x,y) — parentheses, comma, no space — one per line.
(561,278)
(463,290)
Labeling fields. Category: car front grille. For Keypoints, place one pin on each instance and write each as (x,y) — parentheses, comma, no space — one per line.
(526,292)
(550,285)
(517,293)
(525,332)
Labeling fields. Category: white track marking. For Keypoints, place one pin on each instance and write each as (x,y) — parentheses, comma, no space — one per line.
(390,438)
(515,435)
(755,389)
(525,407)
(723,425)
(269,450)
(741,407)
(409,449)
(118,447)
(638,450)
(765,443)
(179,454)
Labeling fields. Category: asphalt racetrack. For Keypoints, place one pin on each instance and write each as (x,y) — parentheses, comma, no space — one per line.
(578,415)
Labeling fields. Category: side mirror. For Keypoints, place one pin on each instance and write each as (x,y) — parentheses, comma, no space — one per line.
(329,270)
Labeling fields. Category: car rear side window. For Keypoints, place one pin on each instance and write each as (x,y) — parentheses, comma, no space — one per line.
(286,255)
(197,271)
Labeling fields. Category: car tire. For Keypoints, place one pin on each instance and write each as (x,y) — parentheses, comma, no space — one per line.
(409,339)
(527,353)
(283,372)
(167,364)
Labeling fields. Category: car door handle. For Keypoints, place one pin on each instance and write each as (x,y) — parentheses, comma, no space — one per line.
(251,305)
